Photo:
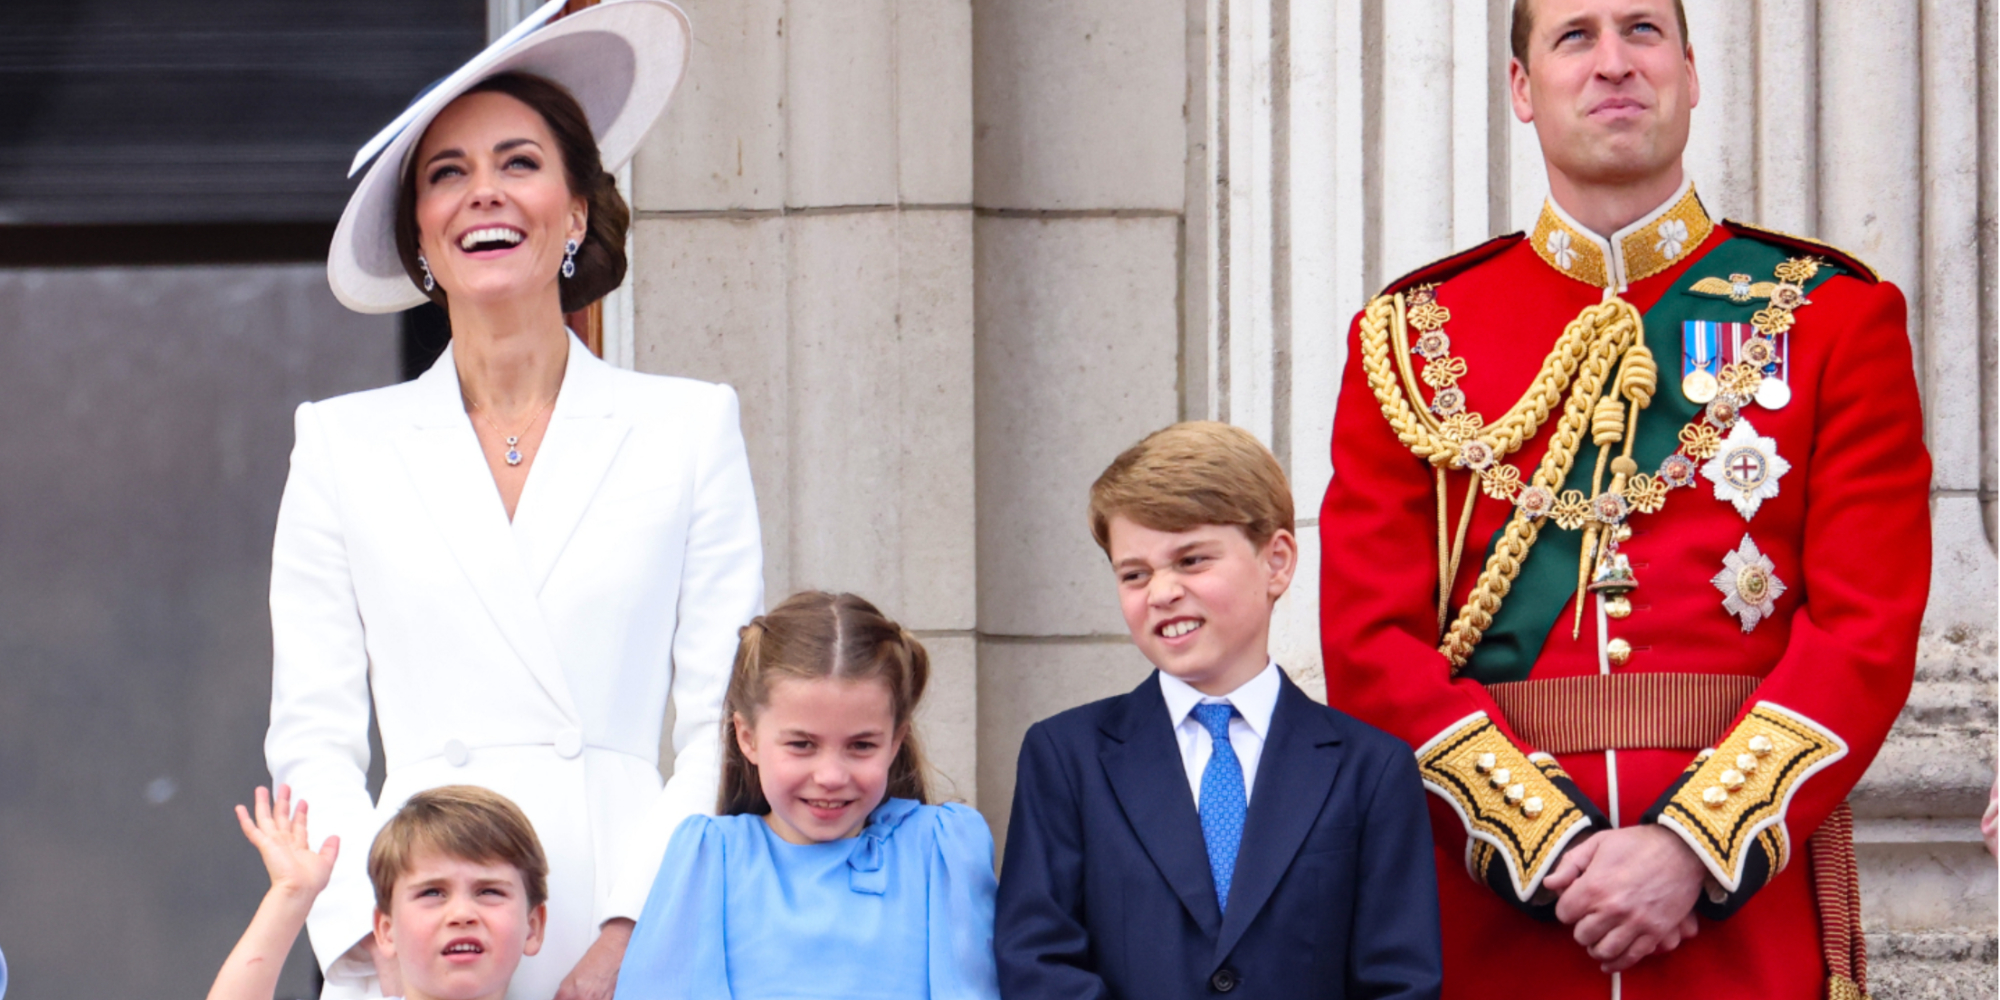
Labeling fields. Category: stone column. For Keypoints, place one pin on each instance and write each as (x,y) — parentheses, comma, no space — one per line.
(804,232)
(1080,145)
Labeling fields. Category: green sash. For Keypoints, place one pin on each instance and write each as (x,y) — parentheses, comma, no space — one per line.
(1510,647)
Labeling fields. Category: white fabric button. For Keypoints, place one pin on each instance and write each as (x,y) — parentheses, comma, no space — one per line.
(569,742)
(455,753)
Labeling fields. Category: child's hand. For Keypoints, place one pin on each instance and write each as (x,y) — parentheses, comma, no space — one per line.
(279,834)
(298,873)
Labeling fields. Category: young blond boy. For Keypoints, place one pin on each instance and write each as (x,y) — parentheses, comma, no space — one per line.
(461,889)
(1214,830)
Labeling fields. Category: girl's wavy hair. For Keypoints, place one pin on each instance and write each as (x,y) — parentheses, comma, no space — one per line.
(813,635)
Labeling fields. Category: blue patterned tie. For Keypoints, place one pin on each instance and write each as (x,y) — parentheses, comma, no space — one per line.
(1222,800)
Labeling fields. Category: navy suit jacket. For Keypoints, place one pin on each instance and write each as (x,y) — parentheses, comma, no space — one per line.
(1106,892)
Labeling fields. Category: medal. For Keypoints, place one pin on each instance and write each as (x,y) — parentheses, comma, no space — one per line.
(1699,386)
(1613,574)
(1776,390)
(1700,357)
(1746,469)
(1773,394)
(1749,584)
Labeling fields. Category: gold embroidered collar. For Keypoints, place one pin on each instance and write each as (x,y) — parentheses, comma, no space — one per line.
(1634,253)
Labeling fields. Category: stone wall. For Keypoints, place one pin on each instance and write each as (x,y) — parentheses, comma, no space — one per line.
(151,418)
(957,255)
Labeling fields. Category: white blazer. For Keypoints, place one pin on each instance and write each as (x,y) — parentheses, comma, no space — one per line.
(534,658)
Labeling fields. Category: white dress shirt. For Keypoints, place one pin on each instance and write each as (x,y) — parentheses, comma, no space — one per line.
(1248,728)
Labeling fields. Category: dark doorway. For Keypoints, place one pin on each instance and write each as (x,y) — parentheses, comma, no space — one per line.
(170,172)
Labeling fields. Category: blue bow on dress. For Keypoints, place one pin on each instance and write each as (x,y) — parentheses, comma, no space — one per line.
(865,863)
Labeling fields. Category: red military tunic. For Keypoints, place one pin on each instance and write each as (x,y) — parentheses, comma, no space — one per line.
(1843,524)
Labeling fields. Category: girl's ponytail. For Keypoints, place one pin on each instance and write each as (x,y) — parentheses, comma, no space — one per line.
(740,790)
(911,673)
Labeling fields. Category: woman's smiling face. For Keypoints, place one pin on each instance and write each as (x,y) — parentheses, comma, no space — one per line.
(493,203)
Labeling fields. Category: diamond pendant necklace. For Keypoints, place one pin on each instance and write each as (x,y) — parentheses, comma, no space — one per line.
(513,453)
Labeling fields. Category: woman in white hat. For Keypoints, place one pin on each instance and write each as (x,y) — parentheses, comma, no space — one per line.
(518,558)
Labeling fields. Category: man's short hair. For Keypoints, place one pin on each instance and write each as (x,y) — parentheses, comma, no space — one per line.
(459,821)
(1190,474)
(1524,27)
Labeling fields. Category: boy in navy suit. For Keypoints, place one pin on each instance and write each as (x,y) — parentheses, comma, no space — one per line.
(1215,830)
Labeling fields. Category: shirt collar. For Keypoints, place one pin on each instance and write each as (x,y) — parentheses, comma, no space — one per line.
(1634,253)
(1254,701)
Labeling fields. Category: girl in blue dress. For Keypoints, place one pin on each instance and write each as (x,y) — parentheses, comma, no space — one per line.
(824,874)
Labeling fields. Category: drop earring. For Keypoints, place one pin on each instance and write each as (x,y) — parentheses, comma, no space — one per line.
(569,259)
(430,283)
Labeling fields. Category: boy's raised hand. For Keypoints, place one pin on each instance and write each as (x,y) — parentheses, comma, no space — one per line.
(298,873)
(278,831)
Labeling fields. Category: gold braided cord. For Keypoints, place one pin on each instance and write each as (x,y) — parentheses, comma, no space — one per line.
(1404,419)
(1458,544)
(1423,413)
(1444,557)
(1610,329)
(1638,376)
(1413,423)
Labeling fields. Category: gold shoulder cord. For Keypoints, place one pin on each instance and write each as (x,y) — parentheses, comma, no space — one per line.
(1582,362)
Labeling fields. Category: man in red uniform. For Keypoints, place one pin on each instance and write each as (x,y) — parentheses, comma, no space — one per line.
(1628,536)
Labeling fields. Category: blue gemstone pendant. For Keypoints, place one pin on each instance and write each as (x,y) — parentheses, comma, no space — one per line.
(513,452)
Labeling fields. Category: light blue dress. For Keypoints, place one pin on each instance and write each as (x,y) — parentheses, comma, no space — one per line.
(905,910)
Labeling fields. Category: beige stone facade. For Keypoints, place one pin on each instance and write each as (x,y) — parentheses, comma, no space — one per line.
(956,255)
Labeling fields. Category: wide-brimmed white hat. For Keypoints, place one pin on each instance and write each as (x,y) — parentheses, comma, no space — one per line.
(621,60)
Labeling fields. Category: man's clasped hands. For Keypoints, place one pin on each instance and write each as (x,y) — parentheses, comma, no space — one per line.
(1628,893)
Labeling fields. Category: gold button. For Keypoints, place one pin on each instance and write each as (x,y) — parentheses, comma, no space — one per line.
(1618,607)
(1485,762)
(1731,779)
(1714,797)
(1516,793)
(1532,807)
(1705,754)
(1500,778)
(1761,745)
(1746,762)
(1618,651)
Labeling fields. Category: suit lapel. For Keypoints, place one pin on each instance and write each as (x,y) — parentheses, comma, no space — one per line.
(1295,773)
(584,436)
(1143,763)
(442,456)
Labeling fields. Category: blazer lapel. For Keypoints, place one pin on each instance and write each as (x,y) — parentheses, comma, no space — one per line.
(584,436)
(1143,763)
(443,458)
(1295,774)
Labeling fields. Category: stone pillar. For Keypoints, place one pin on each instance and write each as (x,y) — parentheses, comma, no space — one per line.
(1080,145)
(803,231)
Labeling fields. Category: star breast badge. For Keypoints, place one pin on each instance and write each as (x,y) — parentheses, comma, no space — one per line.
(1749,584)
(1746,469)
